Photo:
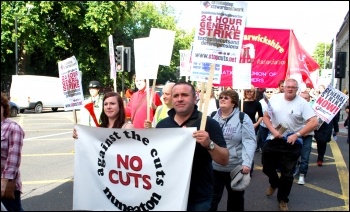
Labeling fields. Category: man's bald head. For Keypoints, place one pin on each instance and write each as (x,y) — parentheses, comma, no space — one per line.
(167,93)
(167,87)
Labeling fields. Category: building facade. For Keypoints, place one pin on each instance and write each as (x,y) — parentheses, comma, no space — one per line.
(342,45)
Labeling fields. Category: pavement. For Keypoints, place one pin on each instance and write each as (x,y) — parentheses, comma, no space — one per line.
(342,130)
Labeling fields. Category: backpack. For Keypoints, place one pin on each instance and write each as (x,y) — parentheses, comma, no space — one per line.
(241,115)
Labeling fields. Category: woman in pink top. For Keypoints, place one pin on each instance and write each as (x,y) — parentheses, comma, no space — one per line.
(12,136)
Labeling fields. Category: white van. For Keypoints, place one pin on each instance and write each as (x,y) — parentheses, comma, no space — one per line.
(37,92)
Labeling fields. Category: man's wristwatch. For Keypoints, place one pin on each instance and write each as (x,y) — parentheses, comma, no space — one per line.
(211,145)
(298,134)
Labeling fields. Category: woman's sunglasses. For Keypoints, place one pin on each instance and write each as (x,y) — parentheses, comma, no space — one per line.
(224,97)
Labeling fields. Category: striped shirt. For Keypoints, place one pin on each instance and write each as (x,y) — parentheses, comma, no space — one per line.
(11,149)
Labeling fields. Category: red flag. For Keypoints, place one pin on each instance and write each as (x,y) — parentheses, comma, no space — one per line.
(300,62)
(267,51)
(90,108)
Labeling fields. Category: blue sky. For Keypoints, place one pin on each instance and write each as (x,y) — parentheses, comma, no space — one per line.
(311,21)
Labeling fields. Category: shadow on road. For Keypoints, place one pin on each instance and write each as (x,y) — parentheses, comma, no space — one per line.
(57,199)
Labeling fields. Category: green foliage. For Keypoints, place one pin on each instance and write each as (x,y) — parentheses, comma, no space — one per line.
(55,30)
(320,55)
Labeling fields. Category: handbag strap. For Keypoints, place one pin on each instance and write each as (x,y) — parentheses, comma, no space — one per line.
(137,107)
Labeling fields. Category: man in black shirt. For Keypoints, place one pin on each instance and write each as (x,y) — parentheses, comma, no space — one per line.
(210,145)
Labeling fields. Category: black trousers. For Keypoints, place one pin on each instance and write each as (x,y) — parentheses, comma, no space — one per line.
(321,150)
(235,199)
(278,153)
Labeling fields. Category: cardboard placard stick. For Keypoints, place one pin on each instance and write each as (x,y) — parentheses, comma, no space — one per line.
(147,98)
(207,96)
(201,96)
(75,116)
(150,100)
(153,89)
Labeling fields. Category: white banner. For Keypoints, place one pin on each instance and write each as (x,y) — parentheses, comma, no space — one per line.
(140,169)
(328,104)
(70,75)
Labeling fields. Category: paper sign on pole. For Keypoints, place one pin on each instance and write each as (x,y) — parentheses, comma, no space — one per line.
(219,33)
(111,57)
(241,75)
(146,65)
(328,104)
(219,37)
(71,83)
(162,42)
(185,66)
(200,72)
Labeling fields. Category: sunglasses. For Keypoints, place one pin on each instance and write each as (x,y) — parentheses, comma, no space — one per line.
(224,97)
(268,91)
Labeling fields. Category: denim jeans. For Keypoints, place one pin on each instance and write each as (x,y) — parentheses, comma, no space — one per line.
(13,205)
(305,154)
(235,199)
(278,152)
(263,133)
(199,206)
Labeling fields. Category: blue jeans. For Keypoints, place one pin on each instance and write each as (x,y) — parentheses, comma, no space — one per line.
(263,133)
(305,154)
(15,204)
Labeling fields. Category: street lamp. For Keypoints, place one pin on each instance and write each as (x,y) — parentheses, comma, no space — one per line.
(29,7)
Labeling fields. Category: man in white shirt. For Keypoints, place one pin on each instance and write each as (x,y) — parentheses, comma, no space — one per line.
(282,148)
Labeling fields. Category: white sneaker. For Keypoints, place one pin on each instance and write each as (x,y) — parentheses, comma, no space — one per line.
(301,180)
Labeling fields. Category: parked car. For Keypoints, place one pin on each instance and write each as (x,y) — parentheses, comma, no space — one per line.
(14,109)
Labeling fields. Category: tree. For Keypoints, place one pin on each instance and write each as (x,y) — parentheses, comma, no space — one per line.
(320,55)
(147,15)
(54,31)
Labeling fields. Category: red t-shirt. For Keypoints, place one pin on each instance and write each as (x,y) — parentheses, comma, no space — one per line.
(139,115)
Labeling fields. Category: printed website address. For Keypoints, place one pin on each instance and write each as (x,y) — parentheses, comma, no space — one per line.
(215,57)
(74,104)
